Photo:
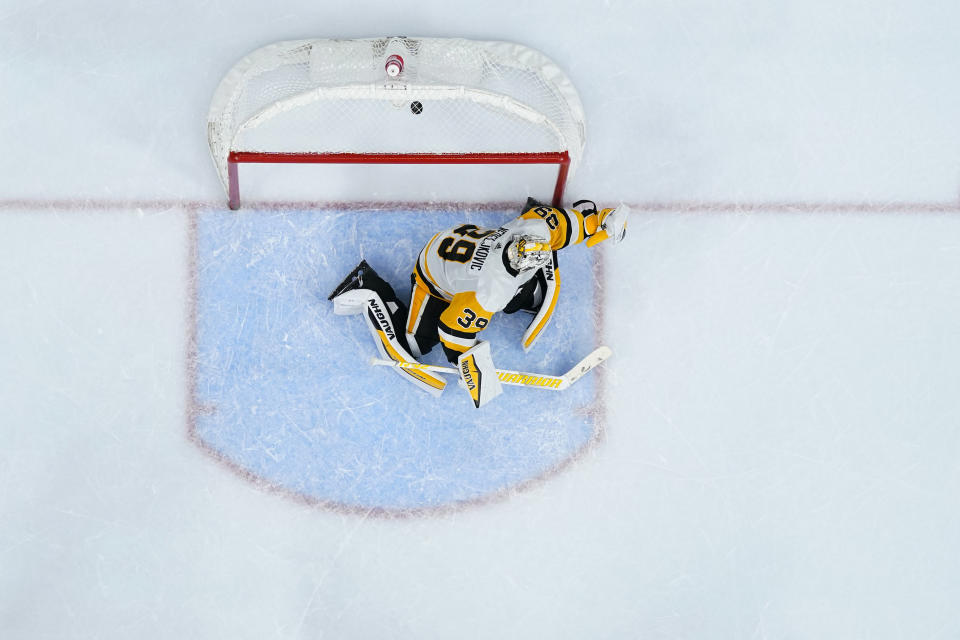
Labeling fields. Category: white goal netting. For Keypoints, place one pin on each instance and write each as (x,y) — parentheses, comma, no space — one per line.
(453,96)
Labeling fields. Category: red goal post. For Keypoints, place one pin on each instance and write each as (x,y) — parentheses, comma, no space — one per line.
(452,101)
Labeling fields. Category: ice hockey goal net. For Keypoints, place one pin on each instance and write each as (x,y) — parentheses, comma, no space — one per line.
(395,100)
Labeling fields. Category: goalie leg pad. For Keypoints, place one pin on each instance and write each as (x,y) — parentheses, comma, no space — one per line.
(353,294)
(478,375)
(388,344)
(363,291)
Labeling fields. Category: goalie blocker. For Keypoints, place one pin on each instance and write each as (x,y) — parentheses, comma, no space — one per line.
(477,374)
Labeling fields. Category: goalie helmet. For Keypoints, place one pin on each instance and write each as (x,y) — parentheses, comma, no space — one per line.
(528,252)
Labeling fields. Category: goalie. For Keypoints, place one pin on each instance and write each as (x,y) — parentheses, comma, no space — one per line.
(462,277)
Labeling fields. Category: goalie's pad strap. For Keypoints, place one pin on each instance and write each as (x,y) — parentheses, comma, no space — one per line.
(550,296)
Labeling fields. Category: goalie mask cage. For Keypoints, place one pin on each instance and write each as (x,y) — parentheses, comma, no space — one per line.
(445,101)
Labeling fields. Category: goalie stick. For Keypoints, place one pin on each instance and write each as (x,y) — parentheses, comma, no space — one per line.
(518,378)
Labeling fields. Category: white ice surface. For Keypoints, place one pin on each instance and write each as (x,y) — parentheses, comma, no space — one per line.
(780,457)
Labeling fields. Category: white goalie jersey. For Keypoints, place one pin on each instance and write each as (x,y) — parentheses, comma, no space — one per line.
(468,268)
(472,259)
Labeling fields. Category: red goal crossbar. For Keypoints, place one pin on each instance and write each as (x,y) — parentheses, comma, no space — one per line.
(561,158)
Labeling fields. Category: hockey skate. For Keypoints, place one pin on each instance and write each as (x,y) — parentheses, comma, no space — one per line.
(350,297)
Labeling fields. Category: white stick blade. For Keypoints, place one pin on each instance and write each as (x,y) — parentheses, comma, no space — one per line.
(596,357)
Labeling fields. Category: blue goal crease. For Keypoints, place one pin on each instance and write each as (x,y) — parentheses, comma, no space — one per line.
(295,401)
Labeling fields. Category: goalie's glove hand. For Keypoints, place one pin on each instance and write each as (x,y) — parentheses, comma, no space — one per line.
(612,225)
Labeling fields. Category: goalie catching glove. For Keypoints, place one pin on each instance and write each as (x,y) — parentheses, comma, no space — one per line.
(603,225)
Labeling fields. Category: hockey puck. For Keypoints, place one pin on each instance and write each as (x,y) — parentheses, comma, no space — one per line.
(416,106)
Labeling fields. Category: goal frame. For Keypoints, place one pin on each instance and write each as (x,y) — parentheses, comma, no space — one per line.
(487,80)
(235,158)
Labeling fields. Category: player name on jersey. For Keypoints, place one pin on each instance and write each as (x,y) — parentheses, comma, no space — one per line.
(484,248)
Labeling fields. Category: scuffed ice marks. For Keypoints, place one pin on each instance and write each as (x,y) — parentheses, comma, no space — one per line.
(296,402)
